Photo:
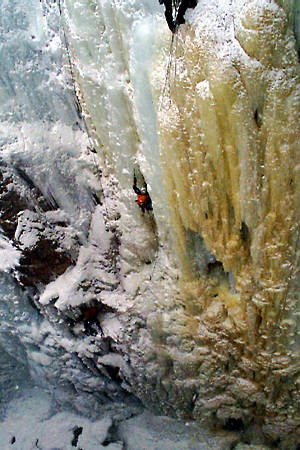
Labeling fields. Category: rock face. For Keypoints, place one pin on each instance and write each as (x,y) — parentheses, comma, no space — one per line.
(49,189)
(43,257)
(212,328)
(232,177)
(191,307)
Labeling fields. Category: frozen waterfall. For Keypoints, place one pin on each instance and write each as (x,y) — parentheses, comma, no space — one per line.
(191,309)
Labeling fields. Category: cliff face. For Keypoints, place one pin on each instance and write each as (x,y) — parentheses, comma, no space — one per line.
(215,134)
(229,142)
(192,307)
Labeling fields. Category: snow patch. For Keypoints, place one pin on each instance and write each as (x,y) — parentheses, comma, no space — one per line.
(9,256)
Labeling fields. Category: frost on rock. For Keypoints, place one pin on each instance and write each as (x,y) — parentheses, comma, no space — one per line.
(192,307)
(212,318)
(9,255)
(49,188)
(31,422)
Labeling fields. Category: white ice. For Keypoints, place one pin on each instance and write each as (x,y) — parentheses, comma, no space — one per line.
(9,255)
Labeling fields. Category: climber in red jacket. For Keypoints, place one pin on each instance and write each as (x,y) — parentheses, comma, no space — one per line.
(143,198)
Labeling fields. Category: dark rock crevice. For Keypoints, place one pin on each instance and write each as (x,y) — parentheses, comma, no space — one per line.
(23,205)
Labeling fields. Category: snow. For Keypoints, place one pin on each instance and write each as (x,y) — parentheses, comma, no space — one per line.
(90,268)
(124,261)
(110,324)
(98,234)
(31,422)
(9,255)
(28,229)
(41,358)
(148,432)
(40,129)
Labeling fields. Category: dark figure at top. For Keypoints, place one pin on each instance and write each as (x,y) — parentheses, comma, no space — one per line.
(169,13)
(143,198)
(178,19)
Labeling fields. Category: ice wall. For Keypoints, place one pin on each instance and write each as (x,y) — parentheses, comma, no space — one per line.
(292,8)
(231,153)
(113,46)
(232,169)
(192,307)
(49,189)
(216,136)
(39,116)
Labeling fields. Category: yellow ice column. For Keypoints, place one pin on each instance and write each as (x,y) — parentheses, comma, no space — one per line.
(230,146)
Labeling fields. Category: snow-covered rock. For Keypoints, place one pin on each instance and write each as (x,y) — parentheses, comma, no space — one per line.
(192,307)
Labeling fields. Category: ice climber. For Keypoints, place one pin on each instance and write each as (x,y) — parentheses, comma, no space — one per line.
(179,8)
(143,198)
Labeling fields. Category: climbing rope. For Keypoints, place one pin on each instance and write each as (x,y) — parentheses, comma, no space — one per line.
(167,80)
